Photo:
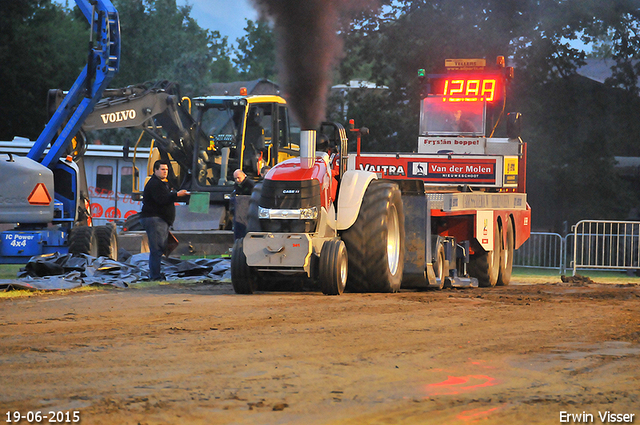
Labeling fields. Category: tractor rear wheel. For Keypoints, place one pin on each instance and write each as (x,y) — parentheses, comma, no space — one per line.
(333,267)
(82,240)
(485,266)
(506,265)
(242,277)
(375,242)
(107,237)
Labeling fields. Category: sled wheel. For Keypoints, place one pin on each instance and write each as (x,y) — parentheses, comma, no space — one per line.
(485,266)
(441,267)
(506,265)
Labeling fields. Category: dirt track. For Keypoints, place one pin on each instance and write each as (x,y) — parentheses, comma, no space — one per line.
(185,354)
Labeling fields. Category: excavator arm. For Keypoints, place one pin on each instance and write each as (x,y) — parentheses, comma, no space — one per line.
(157,109)
(102,65)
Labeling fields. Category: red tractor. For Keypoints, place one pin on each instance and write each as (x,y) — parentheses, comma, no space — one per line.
(312,220)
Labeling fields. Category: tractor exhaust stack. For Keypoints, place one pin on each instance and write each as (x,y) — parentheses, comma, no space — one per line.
(307,148)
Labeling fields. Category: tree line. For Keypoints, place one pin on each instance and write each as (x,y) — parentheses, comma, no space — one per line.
(43,45)
(574,127)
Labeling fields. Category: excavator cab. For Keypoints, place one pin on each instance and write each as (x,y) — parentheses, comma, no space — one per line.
(242,132)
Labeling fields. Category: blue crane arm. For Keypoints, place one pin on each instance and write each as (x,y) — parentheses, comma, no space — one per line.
(103,64)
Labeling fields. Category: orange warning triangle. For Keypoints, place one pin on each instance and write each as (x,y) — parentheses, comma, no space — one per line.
(39,195)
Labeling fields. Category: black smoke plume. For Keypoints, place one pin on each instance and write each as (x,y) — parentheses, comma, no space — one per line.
(308,45)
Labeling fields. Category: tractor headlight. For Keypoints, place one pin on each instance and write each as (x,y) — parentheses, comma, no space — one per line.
(263,212)
(309,213)
(293,214)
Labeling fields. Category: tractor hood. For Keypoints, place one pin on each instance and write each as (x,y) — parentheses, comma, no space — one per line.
(291,169)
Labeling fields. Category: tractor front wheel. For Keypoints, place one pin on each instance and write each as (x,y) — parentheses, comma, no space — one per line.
(333,267)
(242,277)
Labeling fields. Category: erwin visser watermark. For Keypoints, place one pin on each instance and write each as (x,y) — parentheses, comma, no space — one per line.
(603,417)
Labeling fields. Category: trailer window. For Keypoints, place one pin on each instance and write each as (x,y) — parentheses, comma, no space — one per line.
(104,178)
(126,180)
(438,117)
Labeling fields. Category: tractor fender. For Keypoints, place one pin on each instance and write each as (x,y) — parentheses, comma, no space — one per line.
(352,188)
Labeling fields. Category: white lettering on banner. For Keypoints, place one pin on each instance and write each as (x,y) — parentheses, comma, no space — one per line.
(478,169)
(389,170)
(119,116)
(467,169)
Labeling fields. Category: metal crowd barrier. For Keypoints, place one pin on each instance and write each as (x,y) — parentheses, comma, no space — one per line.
(594,244)
(542,250)
(599,244)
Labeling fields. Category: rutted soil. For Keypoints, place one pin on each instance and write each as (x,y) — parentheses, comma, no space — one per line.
(199,354)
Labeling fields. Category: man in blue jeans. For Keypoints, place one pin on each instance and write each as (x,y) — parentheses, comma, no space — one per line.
(158,213)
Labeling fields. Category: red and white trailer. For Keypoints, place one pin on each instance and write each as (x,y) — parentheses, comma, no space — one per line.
(475,183)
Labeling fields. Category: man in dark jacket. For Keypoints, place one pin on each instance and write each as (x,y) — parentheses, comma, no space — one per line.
(158,213)
(242,186)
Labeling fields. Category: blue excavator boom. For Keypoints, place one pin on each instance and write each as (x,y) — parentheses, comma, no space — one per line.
(42,194)
(102,65)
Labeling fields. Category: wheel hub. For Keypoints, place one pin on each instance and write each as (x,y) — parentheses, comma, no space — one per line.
(393,240)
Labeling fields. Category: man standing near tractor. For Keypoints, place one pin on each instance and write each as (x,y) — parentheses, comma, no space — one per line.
(157,215)
(243,186)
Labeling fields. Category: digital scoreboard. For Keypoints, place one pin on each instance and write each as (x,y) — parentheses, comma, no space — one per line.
(469,80)
(468,88)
